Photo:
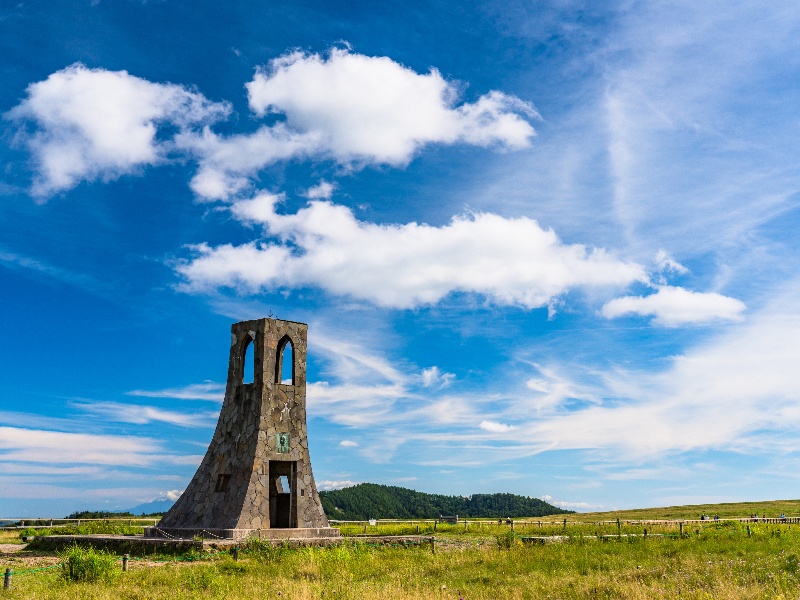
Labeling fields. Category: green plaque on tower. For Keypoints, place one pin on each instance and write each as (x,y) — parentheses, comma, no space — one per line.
(282,442)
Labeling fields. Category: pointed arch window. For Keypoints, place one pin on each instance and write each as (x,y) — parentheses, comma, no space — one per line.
(249,361)
(284,365)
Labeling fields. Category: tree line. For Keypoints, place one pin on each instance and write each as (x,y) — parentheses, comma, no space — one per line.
(374,501)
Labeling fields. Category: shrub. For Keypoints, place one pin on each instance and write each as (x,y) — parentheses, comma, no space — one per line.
(88,564)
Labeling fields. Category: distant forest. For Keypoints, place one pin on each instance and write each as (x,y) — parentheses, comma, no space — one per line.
(105,514)
(373,501)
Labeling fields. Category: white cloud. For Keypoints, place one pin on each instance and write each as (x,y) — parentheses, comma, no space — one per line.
(355,110)
(322,191)
(374,110)
(665,262)
(208,390)
(510,261)
(327,485)
(348,444)
(577,506)
(738,391)
(434,377)
(174,494)
(119,412)
(551,390)
(39,446)
(227,163)
(495,427)
(94,123)
(674,306)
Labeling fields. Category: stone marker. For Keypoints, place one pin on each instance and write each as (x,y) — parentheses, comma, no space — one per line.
(256,479)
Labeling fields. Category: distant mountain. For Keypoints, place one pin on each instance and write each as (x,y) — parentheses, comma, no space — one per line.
(373,501)
(154,507)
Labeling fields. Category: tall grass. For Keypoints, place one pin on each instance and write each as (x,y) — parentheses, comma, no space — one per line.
(722,561)
(80,564)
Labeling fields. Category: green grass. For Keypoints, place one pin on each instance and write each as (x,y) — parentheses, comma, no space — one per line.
(722,561)
(771,509)
(88,528)
(80,564)
(482,561)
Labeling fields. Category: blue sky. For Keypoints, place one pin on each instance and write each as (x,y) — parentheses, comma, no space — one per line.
(545,248)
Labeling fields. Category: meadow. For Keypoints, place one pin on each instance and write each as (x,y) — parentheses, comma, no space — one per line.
(480,561)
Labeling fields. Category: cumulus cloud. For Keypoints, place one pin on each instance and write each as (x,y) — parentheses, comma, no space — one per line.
(348,444)
(510,261)
(673,306)
(495,427)
(226,163)
(94,123)
(327,485)
(374,110)
(322,191)
(355,110)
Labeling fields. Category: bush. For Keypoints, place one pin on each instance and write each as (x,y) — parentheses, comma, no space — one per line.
(88,564)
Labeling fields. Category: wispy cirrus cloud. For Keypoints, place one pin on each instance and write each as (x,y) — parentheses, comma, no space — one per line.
(119,412)
(19,444)
(208,390)
(712,397)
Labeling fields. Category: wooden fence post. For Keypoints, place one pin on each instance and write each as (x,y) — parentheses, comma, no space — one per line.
(681,527)
(7,579)
(125,558)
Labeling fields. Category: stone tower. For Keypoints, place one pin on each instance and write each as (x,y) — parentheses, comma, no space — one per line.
(256,476)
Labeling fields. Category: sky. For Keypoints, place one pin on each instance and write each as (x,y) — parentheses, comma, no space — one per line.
(546,248)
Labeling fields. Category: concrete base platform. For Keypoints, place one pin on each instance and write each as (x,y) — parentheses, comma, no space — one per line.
(241,534)
(140,545)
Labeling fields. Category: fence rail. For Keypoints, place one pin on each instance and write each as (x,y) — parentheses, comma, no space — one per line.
(46,523)
(11,523)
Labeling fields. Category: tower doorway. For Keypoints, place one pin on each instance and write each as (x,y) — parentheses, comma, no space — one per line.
(282,494)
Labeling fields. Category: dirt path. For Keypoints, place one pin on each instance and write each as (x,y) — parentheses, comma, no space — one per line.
(19,558)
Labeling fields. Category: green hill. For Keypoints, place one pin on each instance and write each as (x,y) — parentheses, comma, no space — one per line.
(373,501)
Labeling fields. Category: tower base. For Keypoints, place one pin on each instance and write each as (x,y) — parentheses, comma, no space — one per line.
(190,533)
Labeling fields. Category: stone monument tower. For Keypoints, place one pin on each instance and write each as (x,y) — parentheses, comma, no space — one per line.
(256,476)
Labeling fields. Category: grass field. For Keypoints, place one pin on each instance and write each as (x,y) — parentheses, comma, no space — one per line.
(711,560)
